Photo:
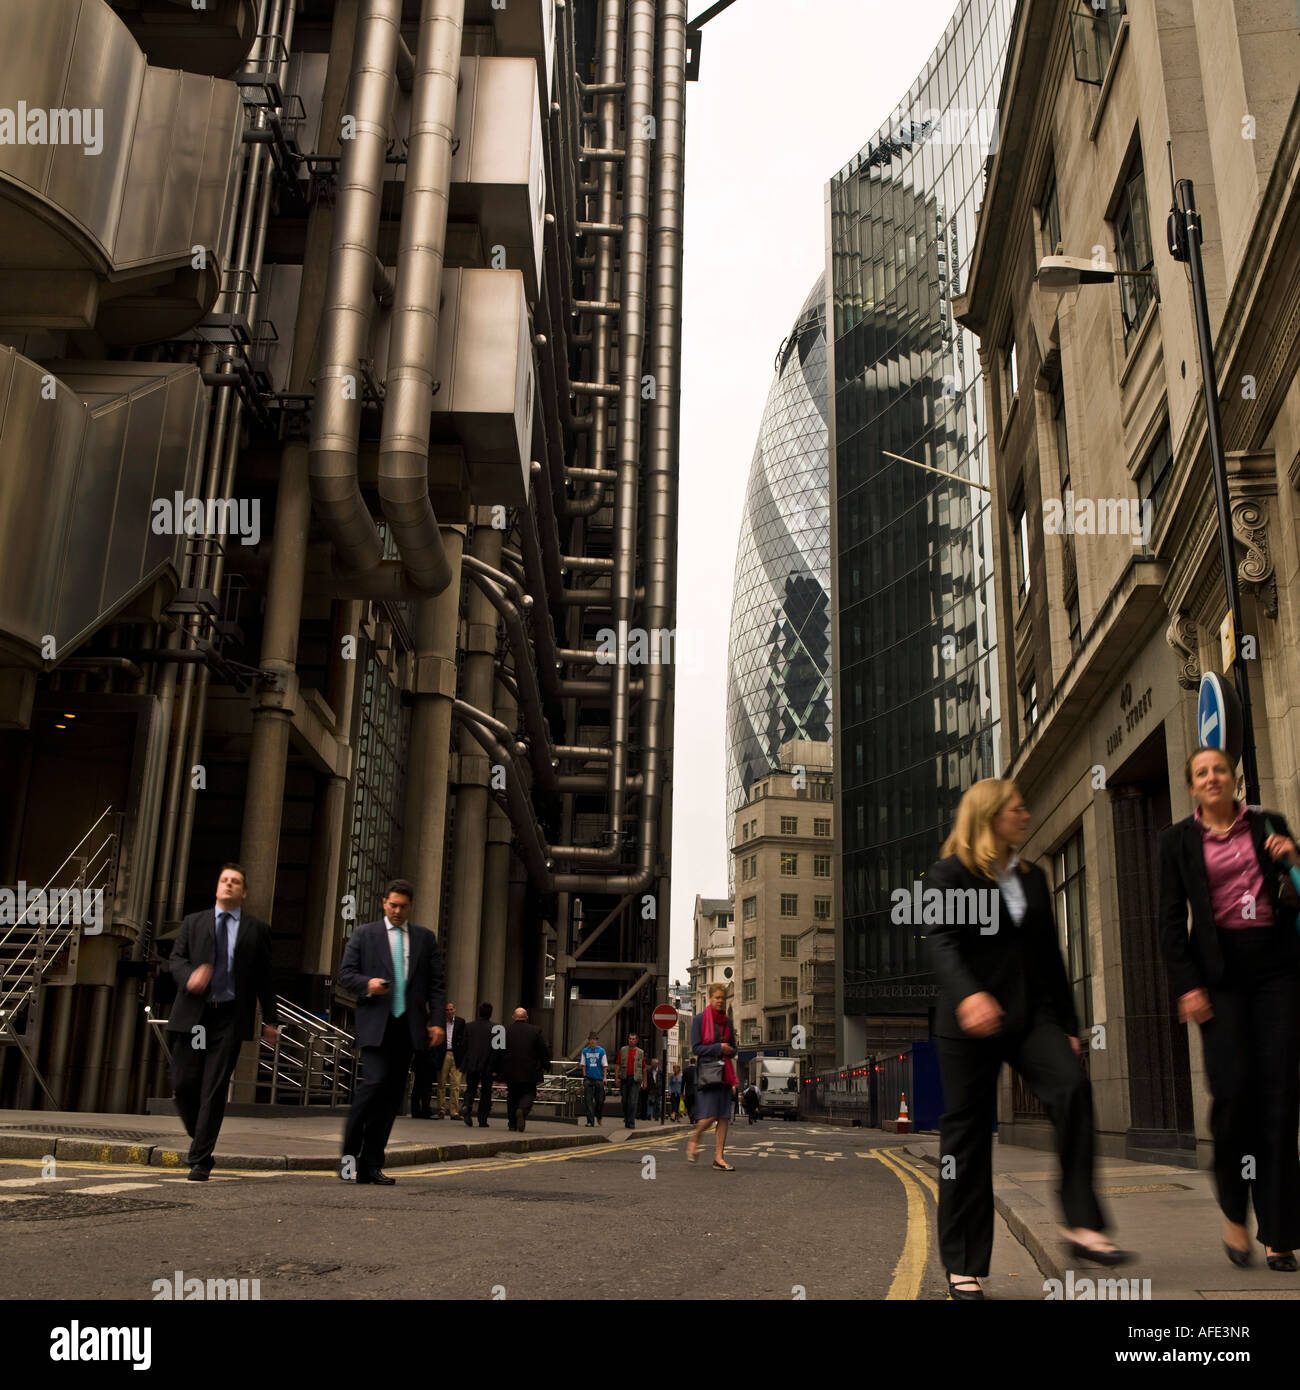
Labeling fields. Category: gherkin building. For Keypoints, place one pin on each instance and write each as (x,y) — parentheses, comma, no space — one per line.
(778,659)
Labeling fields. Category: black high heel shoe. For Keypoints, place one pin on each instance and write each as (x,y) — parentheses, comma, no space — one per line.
(1281,1263)
(1108,1258)
(1241,1258)
(966,1289)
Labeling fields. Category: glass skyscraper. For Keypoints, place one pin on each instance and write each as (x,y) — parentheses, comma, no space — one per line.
(915,685)
(778,686)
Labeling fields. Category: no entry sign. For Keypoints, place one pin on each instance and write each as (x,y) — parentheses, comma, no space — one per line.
(664,1016)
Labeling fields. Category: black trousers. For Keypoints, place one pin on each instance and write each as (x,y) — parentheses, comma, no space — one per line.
(480,1081)
(969,1067)
(519,1101)
(202,1065)
(379,1095)
(424,1070)
(1252,1062)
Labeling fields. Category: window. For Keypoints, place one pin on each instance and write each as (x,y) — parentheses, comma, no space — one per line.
(1093,31)
(1020,540)
(789,987)
(749,994)
(789,865)
(1050,214)
(789,825)
(1029,704)
(1062,438)
(750,909)
(822,828)
(1009,377)
(751,1027)
(789,904)
(1072,920)
(751,948)
(753,828)
(744,832)
(789,948)
(776,1029)
(753,866)
(822,909)
(1133,247)
(821,866)
(1072,613)
(1153,476)
(744,869)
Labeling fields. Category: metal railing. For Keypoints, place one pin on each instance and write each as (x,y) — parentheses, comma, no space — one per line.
(311,1062)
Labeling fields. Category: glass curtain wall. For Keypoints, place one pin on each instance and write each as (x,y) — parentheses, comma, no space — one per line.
(915,689)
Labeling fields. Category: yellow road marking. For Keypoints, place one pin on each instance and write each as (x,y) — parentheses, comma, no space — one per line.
(917,1173)
(910,1269)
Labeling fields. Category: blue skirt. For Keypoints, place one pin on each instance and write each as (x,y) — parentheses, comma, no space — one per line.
(713,1103)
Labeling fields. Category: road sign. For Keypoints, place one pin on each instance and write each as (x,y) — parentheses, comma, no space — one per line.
(1218,715)
(664,1016)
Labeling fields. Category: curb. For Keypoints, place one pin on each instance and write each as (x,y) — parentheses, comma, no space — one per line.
(87,1149)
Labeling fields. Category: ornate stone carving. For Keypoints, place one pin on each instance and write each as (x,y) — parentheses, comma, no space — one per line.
(1182,637)
(1250,526)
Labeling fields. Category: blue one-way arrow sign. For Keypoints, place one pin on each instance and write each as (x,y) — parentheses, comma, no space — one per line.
(1218,715)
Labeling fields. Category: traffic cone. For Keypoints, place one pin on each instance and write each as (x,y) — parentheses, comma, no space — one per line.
(904,1124)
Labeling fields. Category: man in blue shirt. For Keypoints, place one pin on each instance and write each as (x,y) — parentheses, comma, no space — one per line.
(594,1063)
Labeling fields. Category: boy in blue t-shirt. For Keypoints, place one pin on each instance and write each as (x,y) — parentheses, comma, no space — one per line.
(594,1063)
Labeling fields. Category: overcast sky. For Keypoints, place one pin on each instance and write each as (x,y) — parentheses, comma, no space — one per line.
(789,91)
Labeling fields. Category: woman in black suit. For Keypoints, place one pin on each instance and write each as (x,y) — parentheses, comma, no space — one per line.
(1236,972)
(1003,997)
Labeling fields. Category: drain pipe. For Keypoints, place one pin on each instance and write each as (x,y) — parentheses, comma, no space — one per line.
(345,320)
(413,336)
(661,475)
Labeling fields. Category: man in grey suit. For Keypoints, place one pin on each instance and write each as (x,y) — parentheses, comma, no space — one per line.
(221,962)
(395,971)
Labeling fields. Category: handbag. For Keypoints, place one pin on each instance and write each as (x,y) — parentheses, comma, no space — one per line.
(710,1074)
(1284,882)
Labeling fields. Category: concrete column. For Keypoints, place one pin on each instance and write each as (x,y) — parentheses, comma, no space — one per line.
(496,885)
(56,1072)
(469,854)
(101,997)
(514,985)
(429,756)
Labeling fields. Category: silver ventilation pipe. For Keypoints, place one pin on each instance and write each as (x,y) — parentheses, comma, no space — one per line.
(413,337)
(664,428)
(345,318)
(611,37)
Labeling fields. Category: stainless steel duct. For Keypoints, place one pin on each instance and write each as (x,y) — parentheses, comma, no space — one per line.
(345,319)
(664,427)
(413,338)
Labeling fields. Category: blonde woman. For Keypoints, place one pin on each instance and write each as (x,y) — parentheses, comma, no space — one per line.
(713,1041)
(1235,968)
(1003,997)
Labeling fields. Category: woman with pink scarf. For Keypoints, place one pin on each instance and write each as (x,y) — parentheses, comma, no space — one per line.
(713,1041)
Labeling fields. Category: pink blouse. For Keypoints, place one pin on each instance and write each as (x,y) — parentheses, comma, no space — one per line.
(1233,873)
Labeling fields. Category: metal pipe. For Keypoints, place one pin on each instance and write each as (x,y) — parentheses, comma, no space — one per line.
(345,319)
(413,334)
(661,472)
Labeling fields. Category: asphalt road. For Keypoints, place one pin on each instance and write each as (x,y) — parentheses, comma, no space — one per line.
(810,1212)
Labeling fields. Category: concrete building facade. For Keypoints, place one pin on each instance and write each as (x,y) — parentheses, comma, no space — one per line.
(1110,581)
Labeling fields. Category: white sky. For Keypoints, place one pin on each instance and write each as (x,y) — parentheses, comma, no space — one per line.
(789,91)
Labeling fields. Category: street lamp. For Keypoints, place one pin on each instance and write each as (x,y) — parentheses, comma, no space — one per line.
(1059,274)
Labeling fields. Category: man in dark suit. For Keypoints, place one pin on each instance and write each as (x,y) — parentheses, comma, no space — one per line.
(480,1061)
(221,963)
(395,971)
(523,1064)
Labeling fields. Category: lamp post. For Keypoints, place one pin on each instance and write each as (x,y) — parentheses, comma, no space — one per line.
(1058,274)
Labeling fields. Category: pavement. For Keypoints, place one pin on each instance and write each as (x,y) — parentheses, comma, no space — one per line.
(304,1143)
(1167,1215)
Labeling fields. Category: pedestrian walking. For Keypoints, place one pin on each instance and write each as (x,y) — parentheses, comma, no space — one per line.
(654,1088)
(595,1065)
(629,1071)
(394,969)
(523,1065)
(750,1099)
(480,1061)
(675,1092)
(1236,972)
(689,1090)
(221,962)
(1003,997)
(448,1059)
(713,1041)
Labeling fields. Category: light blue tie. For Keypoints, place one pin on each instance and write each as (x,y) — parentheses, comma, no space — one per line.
(399,976)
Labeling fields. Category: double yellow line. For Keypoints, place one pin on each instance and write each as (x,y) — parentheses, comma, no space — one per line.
(910,1269)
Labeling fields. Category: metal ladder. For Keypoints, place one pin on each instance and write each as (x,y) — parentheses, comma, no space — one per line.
(33,953)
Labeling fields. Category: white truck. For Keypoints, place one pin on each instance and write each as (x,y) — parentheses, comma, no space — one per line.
(777,1079)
